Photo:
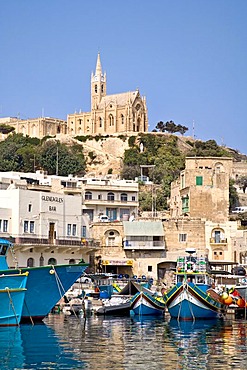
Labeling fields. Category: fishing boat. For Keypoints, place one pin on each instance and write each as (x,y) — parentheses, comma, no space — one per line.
(116,305)
(193,296)
(146,303)
(12,294)
(46,285)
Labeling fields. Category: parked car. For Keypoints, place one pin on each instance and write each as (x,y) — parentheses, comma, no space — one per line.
(103,218)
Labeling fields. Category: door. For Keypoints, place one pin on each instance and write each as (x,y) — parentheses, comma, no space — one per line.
(51,232)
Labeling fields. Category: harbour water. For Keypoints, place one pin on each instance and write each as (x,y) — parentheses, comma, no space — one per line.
(124,343)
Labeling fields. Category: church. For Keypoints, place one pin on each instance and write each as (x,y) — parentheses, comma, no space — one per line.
(124,113)
(110,114)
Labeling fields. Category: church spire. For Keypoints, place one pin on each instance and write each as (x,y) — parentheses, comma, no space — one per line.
(98,85)
(98,70)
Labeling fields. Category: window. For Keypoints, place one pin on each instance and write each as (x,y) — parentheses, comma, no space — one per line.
(89,212)
(52,261)
(124,197)
(185,204)
(84,231)
(133,198)
(182,181)
(41,260)
(88,195)
(199,180)
(99,197)
(30,208)
(69,229)
(150,268)
(25,226)
(111,120)
(111,196)
(74,229)
(122,119)
(5,226)
(31,227)
(182,238)
(102,88)
(30,262)
(100,122)
(96,88)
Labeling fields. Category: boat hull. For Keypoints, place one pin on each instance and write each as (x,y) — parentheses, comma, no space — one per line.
(144,304)
(12,294)
(11,306)
(45,287)
(188,302)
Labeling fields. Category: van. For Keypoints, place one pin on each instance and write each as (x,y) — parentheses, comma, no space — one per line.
(240,209)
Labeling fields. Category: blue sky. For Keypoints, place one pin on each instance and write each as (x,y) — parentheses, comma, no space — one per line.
(188,57)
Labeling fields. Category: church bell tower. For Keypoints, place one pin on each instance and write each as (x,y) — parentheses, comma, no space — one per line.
(98,85)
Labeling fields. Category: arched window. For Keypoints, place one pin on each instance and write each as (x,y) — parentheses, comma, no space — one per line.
(30,262)
(111,120)
(88,195)
(124,197)
(72,261)
(52,261)
(111,196)
(122,119)
(102,88)
(100,122)
(96,88)
(41,260)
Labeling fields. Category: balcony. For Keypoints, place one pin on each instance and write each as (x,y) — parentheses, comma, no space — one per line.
(116,203)
(215,242)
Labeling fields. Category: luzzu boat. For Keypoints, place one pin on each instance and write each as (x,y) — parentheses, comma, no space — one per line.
(145,303)
(12,294)
(46,285)
(192,297)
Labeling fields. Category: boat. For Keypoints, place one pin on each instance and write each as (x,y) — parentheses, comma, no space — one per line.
(193,296)
(12,294)
(147,303)
(116,305)
(46,285)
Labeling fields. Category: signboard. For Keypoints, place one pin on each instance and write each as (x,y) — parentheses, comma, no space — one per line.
(117,263)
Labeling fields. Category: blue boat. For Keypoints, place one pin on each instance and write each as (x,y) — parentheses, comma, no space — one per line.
(12,294)
(46,285)
(146,303)
(192,296)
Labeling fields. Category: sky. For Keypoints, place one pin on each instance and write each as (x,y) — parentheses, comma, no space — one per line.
(187,57)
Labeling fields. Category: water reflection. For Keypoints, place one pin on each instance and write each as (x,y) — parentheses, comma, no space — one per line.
(124,343)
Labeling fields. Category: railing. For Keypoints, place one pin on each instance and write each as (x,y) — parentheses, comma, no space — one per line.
(221,241)
(159,244)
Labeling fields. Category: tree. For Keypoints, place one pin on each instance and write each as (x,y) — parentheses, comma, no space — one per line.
(233,195)
(170,127)
(56,156)
(242,182)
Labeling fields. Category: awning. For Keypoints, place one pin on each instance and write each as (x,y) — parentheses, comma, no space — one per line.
(117,263)
(143,228)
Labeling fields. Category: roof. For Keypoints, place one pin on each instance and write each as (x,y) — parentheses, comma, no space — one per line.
(143,228)
(121,99)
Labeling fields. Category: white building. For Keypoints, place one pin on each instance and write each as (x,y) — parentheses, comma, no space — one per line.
(45,227)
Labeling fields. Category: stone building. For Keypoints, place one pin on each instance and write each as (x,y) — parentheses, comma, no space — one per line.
(36,127)
(202,189)
(110,114)
(201,195)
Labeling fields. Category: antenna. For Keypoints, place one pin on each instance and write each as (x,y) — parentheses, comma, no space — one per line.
(193,129)
(57,163)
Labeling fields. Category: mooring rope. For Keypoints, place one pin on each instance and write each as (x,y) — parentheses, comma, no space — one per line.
(13,307)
